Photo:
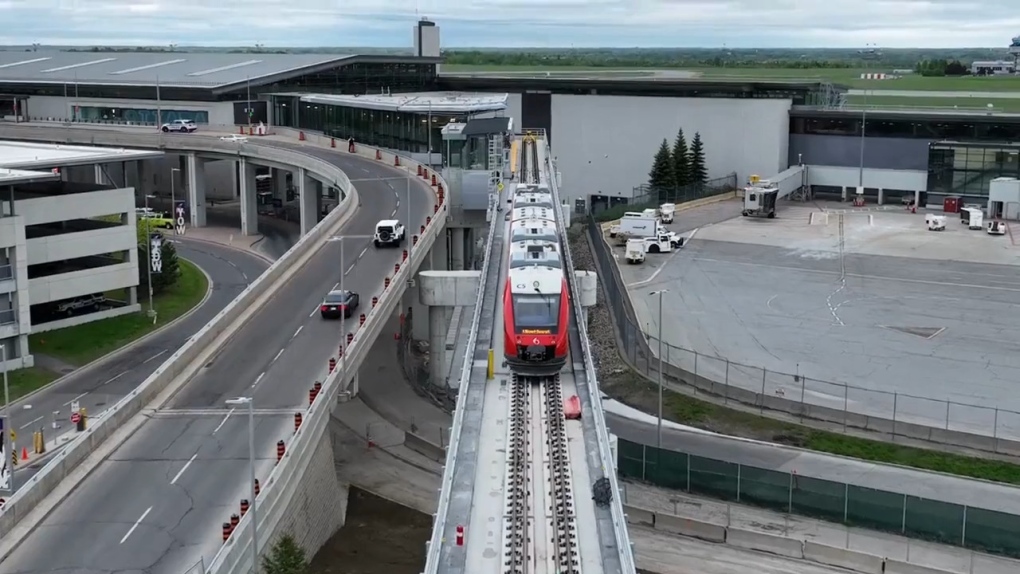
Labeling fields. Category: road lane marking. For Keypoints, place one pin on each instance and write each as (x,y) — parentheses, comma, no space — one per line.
(135,525)
(349,269)
(183,468)
(398,201)
(223,422)
(114,378)
(363,252)
(394,214)
(75,399)
(30,423)
(262,374)
(296,332)
(314,311)
(159,354)
(337,285)
(280,352)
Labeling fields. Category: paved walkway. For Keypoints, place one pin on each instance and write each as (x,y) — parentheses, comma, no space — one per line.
(939,556)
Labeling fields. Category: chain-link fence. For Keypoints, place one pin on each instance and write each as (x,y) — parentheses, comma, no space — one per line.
(893,413)
(416,369)
(644,197)
(974,528)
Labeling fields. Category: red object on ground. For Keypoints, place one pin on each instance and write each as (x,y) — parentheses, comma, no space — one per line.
(572,408)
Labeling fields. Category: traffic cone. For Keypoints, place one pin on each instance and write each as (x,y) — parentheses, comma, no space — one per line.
(24,453)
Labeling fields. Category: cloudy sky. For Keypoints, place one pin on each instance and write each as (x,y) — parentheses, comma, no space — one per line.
(515,23)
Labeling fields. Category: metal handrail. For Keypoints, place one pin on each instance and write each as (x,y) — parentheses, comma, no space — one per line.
(627,563)
(439,526)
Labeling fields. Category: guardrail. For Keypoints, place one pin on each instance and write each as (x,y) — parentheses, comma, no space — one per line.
(605,454)
(234,557)
(27,499)
(435,543)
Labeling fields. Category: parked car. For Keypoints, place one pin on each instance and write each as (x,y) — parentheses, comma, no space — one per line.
(181,126)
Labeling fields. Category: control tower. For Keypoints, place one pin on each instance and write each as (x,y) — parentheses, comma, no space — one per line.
(474,166)
(1014,49)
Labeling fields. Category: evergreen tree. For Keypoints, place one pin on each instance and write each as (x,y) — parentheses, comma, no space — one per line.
(171,271)
(681,165)
(696,161)
(285,557)
(662,179)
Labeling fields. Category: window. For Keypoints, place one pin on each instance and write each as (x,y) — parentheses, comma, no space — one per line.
(338,297)
(968,169)
(540,312)
(402,131)
(961,128)
(522,260)
(138,116)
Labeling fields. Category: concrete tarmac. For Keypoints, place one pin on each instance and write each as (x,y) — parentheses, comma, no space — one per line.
(184,472)
(99,387)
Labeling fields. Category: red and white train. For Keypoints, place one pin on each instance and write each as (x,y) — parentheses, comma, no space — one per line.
(536,300)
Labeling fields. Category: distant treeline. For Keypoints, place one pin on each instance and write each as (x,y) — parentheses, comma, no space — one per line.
(720,58)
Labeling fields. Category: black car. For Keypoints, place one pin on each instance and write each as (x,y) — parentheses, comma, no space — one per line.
(339,303)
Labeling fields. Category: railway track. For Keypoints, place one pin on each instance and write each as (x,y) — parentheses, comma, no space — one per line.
(540,529)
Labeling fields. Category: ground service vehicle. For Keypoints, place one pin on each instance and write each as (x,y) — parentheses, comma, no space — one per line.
(339,304)
(182,126)
(635,251)
(388,232)
(935,222)
(972,217)
(158,220)
(666,211)
(760,199)
(996,228)
(639,227)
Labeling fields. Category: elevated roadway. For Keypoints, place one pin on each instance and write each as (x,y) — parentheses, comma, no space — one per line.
(101,384)
(156,503)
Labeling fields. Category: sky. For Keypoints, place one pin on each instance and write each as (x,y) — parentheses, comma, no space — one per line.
(515,23)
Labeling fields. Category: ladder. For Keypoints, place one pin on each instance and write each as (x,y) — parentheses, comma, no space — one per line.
(495,164)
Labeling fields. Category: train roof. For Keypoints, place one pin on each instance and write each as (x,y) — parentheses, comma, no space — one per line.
(532,212)
(535,253)
(531,188)
(536,281)
(533,199)
(525,229)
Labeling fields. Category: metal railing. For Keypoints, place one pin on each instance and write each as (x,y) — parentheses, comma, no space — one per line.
(595,398)
(979,529)
(645,196)
(895,413)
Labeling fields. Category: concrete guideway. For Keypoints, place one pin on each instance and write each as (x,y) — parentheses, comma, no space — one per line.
(321,268)
(102,383)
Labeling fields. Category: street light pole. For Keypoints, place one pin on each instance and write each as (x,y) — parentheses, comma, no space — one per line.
(148,253)
(658,427)
(250,402)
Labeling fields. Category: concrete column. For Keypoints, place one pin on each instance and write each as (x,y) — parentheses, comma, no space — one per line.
(457,249)
(917,199)
(308,200)
(249,203)
(844,193)
(587,284)
(279,183)
(132,296)
(100,177)
(195,169)
(440,291)
(881,196)
(146,178)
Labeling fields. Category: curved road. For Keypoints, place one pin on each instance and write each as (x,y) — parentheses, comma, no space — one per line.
(99,386)
(157,503)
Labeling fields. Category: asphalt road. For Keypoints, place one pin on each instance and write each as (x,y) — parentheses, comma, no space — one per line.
(156,505)
(97,388)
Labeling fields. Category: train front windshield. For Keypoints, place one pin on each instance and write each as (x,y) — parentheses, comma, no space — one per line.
(536,314)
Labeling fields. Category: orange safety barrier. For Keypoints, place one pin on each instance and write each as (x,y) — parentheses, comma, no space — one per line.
(227,531)
(244,506)
(396,160)
(396,268)
(434,179)
(301,136)
(318,388)
(378,154)
(404,256)
(375,301)
(240,130)
(297,421)
(258,487)
(332,142)
(234,521)
(419,170)
(311,396)
(572,408)
(332,364)
(386,283)
(361,320)
(281,449)
(350,338)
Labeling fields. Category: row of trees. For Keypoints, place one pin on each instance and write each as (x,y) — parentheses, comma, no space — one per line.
(941,67)
(677,167)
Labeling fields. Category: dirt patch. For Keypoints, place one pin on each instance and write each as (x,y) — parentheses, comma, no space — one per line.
(379,537)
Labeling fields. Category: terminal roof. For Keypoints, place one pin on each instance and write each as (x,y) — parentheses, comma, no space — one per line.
(417,102)
(26,155)
(177,69)
(13,176)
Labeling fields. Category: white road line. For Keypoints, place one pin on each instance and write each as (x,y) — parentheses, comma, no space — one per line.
(337,285)
(159,354)
(184,468)
(398,200)
(349,269)
(30,423)
(223,422)
(394,213)
(314,311)
(664,263)
(296,332)
(135,525)
(113,379)
(75,399)
(245,275)
(363,252)
(262,374)
(280,352)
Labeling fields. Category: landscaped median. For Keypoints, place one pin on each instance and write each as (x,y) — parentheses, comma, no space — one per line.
(81,344)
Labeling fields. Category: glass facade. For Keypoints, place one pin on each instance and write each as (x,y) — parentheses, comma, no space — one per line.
(403,131)
(137,115)
(362,78)
(967,169)
(950,128)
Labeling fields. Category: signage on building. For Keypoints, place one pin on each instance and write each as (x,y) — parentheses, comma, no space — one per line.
(180,214)
(156,252)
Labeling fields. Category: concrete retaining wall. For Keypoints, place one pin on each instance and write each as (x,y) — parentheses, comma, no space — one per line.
(900,567)
(424,447)
(23,510)
(843,558)
(750,540)
(688,527)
